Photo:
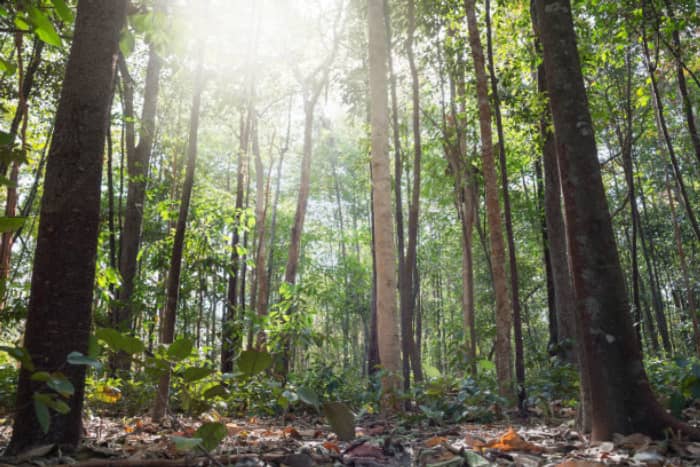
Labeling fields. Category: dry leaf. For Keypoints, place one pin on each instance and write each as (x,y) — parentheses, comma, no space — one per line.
(291,432)
(511,441)
(435,441)
(331,446)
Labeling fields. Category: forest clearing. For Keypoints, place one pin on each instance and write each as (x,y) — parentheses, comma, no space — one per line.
(349,232)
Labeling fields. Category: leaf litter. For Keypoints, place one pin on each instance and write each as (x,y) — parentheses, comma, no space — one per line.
(308,441)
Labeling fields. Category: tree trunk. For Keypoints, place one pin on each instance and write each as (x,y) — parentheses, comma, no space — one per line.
(385,254)
(59,310)
(167,330)
(231,329)
(493,211)
(408,284)
(687,284)
(621,398)
(661,119)
(138,161)
(682,85)
(513,265)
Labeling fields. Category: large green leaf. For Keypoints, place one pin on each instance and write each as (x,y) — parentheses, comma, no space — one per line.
(63,11)
(42,413)
(77,358)
(216,391)
(119,342)
(44,29)
(61,385)
(11,224)
(211,435)
(341,419)
(195,373)
(309,396)
(180,349)
(185,444)
(252,362)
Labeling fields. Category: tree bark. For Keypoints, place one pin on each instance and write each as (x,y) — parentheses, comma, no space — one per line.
(138,161)
(167,330)
(621,398)
(59,311)
(385,254)
(408,285)
(513,265)
(493,211)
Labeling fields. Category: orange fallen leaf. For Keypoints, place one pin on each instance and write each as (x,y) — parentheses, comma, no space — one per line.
(291,432)
(331,446)
(435,441)
(512,441)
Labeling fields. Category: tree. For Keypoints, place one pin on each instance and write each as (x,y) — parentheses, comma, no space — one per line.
(621,398)
(167,330)
(138,160)
(59,312)
(385,256)
(493,210)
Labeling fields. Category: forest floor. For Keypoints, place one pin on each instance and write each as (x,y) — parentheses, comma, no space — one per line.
(306,441)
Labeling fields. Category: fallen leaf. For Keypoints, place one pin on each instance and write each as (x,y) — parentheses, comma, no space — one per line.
(511,441)
(365,450)
(291,432)
(636,441)
(331,446)
(435,441)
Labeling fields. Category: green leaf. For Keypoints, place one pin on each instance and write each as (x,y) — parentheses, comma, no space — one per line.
(127,43)
(5,138)
(61,385)
(61,407)
(211,435)
(252,362)
(41,410)
(8,67)
(341,419)
(308,396)
(77,358)
(20,354)
(117,341)
(180,349)
(11,224)
(185,444)
(41,376)
(195,373)
(21,24)
(63,11)
(216,391)
(44,29)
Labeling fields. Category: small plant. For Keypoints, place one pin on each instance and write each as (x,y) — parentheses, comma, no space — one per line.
(677,382)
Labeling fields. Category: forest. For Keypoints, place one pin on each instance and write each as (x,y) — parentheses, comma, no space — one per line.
(349,232)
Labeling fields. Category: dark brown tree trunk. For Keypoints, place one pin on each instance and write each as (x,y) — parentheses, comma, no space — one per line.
(138,161)
(408,285)
(59,311)
(513,265)
(493,211)
(231,329)
(167,330)
(621,398)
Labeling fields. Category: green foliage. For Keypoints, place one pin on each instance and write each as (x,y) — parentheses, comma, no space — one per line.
(676,382)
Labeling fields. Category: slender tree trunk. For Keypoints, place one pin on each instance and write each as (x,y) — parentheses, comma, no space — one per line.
(513,265)
(259,290)
(231,330)
(59,313)
(682,85)
(167,331)
(410,264)
(373,361)
(621,398)
(138,161)
(385,254)
(493,211)
(687,284)
(661,119)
